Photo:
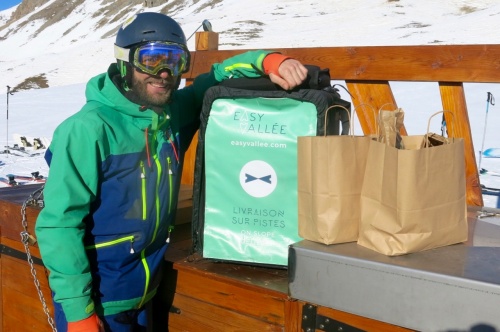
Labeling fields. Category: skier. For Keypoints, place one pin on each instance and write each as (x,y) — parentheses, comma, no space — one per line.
(115,170)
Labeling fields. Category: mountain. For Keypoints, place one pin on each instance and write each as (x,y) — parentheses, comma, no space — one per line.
(46,43)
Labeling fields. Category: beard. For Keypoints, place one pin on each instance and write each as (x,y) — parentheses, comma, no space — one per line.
(160,98)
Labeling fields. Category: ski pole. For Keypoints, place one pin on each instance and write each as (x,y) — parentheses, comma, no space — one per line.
(7,122)
(207,26)
(490,100)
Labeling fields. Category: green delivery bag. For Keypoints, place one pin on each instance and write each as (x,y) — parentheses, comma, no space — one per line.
(245,192)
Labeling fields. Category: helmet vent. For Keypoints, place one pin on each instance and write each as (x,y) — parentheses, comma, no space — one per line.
(148,31)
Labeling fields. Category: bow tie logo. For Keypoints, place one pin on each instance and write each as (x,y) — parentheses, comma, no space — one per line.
(250,178)
(258,178)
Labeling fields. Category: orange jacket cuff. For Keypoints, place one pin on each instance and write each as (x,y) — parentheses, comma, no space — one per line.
(88,324)
(272,62)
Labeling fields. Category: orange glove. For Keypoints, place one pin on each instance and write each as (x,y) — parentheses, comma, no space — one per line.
(90,324)
(272,62)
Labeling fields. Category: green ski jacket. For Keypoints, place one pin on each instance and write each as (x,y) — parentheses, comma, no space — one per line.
(111,194)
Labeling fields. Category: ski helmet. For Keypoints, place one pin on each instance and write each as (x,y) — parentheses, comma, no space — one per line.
(145,28)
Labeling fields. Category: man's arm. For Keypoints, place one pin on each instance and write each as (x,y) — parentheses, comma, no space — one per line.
(68,192)
(282,70)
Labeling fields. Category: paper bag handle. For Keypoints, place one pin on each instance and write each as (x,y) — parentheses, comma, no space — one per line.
(351,123)
(381,108)
(351,127)
(426,140)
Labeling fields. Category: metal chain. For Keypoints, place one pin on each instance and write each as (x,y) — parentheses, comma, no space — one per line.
(35,199)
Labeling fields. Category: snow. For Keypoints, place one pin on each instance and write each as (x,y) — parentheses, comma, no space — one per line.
(69,55)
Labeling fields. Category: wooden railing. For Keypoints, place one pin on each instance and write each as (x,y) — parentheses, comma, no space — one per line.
(367,72)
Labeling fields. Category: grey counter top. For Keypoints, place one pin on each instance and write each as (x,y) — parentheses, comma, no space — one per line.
(453,288)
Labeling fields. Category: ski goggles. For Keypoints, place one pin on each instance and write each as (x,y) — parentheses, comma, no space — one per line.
(151,58)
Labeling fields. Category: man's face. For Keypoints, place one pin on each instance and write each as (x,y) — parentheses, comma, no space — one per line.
(153,89)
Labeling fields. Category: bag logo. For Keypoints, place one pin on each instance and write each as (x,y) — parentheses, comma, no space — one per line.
(258,170)
(250,178)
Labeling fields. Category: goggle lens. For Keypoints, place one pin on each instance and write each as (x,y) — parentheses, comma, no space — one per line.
(153,57)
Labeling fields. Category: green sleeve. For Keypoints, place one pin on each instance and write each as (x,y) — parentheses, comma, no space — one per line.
(69,190)
(248,64)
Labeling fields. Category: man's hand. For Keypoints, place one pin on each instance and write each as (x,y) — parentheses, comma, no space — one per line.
(292,73)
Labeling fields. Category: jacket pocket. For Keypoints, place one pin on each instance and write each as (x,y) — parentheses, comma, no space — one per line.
(130,239)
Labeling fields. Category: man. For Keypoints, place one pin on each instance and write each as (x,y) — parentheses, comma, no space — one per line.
(115,170)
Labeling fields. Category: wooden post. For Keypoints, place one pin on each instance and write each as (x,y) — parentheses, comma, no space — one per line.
(207,41)
(204,41)
(458,125)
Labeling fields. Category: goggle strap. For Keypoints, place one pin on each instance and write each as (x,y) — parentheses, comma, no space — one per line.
(122,53)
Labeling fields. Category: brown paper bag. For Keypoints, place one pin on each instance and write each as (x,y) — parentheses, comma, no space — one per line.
(433,139)
(413,199)
(389,126)
(330,177)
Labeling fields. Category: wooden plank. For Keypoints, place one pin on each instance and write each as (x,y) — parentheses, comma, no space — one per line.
(1,293)
(189,162)
(206,41)
(22,309)
(191,314)
(24,313)
(453,100)
(18,194)
(293,316)
(248,290)
(11,200)
(366,324)
(426,63)
(17,275)
(19,246)
(185,205)
(21,306)
(271,280)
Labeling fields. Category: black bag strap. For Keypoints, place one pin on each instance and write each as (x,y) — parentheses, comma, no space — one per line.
(317,79)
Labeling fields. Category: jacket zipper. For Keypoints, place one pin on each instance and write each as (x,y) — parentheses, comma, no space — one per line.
(143,191)
(130,238)
(147,277)
(157,205)
(170,174)
(157,224)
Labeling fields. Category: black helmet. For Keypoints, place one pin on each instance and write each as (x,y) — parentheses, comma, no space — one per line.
(149,27)
(144,28)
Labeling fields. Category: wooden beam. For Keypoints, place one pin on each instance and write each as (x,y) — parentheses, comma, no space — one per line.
(453,100)
(368,98)
(426,63)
